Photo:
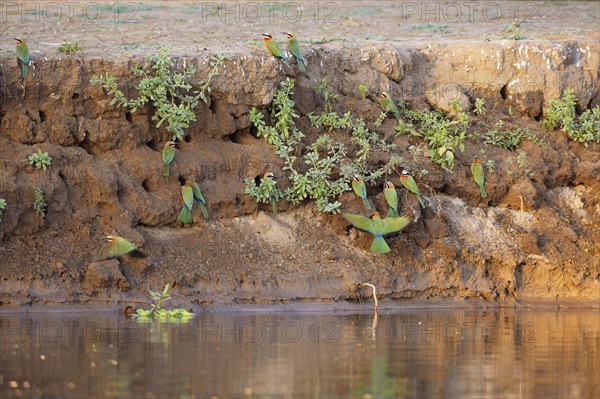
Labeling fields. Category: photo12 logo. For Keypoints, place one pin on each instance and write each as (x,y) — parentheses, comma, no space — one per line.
(255,12)
(469,11)
(68,11)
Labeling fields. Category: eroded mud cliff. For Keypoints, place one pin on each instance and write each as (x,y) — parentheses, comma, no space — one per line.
(536,236)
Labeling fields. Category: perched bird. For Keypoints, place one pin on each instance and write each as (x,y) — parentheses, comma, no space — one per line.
(187,192)
(271,46)
(116,247)
(272,198)
(198,196)
(378,227)
(408,182)
(168,154)
(387,104)
(22,56)
(391,197)
(294,47)
(478,176)
(358,185)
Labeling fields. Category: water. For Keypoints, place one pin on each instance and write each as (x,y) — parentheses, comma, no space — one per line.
(499,353)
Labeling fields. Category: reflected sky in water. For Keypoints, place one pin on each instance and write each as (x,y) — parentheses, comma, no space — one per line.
(501,353)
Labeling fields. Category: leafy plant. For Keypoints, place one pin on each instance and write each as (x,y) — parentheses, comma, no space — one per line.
(69,48)
(2,206)
(444,136)
(510,139)
(38,203)
(166,88)
(158,312)
(490,165)
(479,106)
(511,32)
(264,192)
(325,167)
(561,115)
(39,159)
(363,91)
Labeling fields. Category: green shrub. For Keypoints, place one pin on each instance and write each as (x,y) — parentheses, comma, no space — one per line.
(39,206)
(157,311)
(561,115)
(510,139)
(39,159)
(166,88)
(323,170)
(69,48)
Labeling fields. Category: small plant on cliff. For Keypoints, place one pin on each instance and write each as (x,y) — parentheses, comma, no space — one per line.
(511,32)
(325,167)
(2,206)
(444,136)
(158,312)
(166,88)
(39,206)
(69,48)
(510,139)
(39,159)
(265,192)
(561,115)
(479,106)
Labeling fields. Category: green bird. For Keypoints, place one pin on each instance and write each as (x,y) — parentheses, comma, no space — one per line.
(478,176)
(271,46)
(391,197)
(387,104)
(168,155)
(116,247)
(198,196)
(358,185)
(378,227)
(408,182)
(187,192)
(294,47)
(272,198)
(22,56)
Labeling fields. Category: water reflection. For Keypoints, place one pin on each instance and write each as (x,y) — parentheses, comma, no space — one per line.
(425,354)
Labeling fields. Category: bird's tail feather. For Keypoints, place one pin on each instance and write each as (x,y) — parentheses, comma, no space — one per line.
(204,211)
(392,213)
(274,207)
(421,201)
(367,203)
(300,64)
(185,216)
(166,171)
(482,191)
(24,70)
(380,246)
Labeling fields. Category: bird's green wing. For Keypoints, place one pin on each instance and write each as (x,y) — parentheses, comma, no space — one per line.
(411,185)
(168,155)
(392,225)
(294,48)
(360,222)
(360,188)
(391,198)
(197,193)
(188,196)
(23,53)
(121,247)
(274,48)
(477,172)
